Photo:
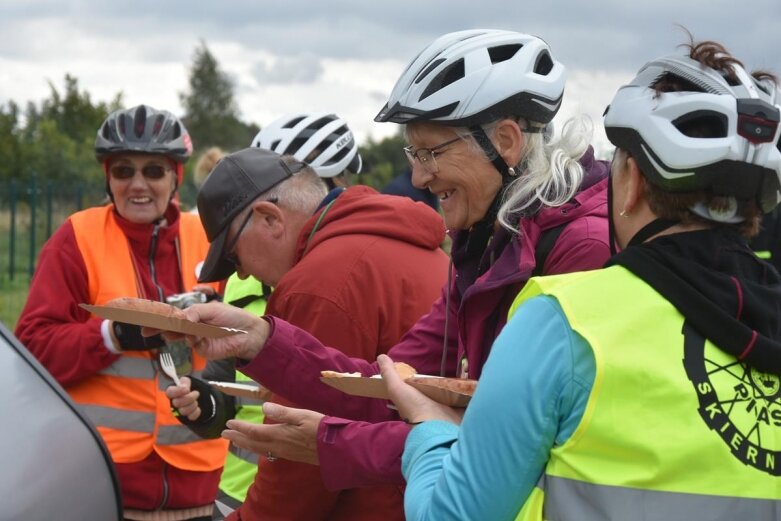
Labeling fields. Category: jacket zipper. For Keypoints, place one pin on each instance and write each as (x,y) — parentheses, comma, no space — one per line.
(152,270)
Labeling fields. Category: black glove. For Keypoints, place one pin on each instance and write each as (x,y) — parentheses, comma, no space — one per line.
(216,409)
(129,337)
(206,401)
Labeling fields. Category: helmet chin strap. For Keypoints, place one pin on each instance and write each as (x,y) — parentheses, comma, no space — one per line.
(508,173)
(611,226)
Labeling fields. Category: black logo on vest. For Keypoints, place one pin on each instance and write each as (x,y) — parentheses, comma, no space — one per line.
(740,404)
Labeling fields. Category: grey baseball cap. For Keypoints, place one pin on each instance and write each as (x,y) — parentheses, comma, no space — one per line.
(236,181)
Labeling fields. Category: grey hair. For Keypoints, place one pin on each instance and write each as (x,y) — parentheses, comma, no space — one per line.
(302,192)
(550,173)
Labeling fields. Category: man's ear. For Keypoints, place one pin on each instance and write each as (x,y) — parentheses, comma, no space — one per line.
(270,216)
(509,140)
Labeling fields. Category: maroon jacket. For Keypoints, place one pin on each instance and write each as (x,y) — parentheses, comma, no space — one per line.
(366,269)
(359,453)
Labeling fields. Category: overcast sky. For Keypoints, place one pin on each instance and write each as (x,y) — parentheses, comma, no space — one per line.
(344,56)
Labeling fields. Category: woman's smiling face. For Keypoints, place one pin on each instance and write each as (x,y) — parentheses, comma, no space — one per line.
(462,178)
(142,186)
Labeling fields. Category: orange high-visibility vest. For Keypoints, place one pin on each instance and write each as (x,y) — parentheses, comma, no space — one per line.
(126,400)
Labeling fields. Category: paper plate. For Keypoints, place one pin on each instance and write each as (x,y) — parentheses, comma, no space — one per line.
(147,319)
(375,388)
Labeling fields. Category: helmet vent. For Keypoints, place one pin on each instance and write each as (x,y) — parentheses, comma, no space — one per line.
(274,145)
(339,155)
(139,121)
(176,131)
(702,124)
(503,53)
(544,64)
(427,70)
(445,77)
(293,122)
(158,126)
(295,145)
(122,125)
(320,123)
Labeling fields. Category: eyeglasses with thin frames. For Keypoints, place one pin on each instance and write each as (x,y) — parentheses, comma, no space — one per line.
(230,254)
(427,156)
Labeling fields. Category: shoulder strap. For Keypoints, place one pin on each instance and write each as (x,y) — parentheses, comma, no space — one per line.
(246,300)
(545,244)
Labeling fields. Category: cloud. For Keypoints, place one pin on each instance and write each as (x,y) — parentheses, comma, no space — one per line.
(305,68)
(344,56)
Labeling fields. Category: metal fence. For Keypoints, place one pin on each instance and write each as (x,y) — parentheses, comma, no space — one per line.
(31,210)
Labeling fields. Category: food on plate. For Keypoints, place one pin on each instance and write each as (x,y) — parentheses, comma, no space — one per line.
(148,306)
(405,371)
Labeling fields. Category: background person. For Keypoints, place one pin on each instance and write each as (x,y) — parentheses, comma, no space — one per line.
(139,245)
(649,397)
(402,185)
(203,168)
(323,253)
(464,136)
(319,139)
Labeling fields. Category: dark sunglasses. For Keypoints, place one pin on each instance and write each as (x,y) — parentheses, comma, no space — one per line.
(128,171)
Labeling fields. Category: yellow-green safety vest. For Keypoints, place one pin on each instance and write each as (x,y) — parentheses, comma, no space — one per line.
(674,427)
(241,465)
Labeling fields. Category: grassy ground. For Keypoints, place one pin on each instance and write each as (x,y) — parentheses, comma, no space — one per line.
(13,294)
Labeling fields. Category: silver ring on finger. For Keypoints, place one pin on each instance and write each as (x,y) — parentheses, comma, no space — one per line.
(270,456)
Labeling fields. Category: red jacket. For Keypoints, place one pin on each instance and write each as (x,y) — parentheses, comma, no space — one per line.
(67,341)
(348,450)
(363,276)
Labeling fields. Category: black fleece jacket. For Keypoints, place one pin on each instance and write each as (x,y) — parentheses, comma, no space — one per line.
(714,279)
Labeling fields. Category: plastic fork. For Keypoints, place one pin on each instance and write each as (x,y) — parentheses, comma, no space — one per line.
(168,366)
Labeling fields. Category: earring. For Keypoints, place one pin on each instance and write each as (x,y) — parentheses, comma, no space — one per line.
(511,171)
(624,213)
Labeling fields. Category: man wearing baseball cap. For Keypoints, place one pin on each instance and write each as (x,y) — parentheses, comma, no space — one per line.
(354,268)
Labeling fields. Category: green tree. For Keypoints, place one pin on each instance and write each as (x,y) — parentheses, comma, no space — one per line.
(211,115)
(384,159)
(56,139)
(10,141)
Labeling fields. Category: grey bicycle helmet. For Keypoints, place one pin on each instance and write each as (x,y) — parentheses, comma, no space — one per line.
(322,140)
(143,129)
(474,77)
(741,156)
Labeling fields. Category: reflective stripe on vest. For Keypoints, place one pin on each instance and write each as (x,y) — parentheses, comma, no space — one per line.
(241,465)
(126,400)
(622,503)
(673,425)
(243,454)
(114,418)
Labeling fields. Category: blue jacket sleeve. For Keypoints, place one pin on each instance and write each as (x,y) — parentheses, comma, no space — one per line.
(531,397)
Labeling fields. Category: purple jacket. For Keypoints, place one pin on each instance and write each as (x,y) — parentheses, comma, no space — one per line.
(368,452)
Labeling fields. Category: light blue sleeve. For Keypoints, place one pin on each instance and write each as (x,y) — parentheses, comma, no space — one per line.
(531,396)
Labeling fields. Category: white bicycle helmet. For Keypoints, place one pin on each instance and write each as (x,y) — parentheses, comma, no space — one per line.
(474,77)
(322,140)
(741,158)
